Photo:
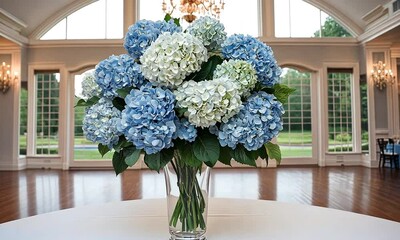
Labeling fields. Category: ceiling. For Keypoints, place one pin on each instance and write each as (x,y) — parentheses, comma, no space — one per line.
(35,12)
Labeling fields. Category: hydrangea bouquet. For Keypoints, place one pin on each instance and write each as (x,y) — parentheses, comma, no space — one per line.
(190,98)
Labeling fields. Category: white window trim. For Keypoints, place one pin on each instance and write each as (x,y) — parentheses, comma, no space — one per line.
(314,116)
(34,160)
(356,113)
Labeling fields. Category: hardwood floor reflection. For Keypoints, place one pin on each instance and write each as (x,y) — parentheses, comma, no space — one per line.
(373,192)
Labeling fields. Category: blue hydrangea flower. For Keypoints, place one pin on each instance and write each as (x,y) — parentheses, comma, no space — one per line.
(143,33)
(99,123)
(185,130)
(117,72)
(258,54)
(89,86)
(148,118)
(257,123)
(210,31)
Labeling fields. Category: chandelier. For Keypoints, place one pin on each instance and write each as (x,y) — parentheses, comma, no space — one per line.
(6,80)
(191,7)
(381,75)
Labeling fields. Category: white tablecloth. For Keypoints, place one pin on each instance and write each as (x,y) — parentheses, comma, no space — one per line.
(229,219)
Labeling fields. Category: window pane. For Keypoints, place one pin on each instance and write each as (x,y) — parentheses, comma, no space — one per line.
(115,18)
(233,22)
(304,19)
(295,139)
(102,19)
(340,112)
(23,115)
(282,18)
(296,18)
(56,32)
(364,113)
(47,108)
(88,22)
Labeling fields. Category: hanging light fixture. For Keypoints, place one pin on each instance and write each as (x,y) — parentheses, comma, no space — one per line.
(6,80)
(381,75)
(191,8)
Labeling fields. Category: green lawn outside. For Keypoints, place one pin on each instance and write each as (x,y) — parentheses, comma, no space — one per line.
(90,154)
(295,137)
(300,145)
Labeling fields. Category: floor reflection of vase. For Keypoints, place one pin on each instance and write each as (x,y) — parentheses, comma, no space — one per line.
(187,196)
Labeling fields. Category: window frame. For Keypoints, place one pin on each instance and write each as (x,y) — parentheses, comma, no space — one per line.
(33,159)
(49,26)
(355,105)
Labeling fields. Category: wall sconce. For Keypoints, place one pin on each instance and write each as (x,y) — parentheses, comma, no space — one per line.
(6,80)
(381,75)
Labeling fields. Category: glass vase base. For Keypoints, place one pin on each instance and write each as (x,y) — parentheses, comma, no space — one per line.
(187,238)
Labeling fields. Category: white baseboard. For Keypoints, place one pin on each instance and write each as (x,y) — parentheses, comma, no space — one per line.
(47,163)
(21,165)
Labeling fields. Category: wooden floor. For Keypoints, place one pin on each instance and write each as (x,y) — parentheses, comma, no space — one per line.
(374,192)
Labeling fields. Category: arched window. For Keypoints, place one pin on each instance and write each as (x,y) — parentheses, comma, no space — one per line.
(296,18)
(102,19)
(231,16)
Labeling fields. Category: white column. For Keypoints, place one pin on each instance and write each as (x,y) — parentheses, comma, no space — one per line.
(9,117)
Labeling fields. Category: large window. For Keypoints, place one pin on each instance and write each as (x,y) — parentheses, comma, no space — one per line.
(102,19)
(340,110)
(237,16)
(296,139)
(47,110)
(296,18)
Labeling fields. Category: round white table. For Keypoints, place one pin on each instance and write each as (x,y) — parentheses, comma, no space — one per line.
(229,219)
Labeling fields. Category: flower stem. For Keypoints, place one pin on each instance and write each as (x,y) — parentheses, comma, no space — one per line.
(191,205)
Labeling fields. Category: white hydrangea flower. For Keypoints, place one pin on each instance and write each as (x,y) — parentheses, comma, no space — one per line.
(89,86)
(208,102)
(241,72)
(171,58)
(210,31)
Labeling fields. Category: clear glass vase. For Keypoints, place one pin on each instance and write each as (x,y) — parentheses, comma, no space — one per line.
(187,198)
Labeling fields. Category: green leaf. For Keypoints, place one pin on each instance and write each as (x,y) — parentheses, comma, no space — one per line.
(206,148)
(158,160)
(167,17)
(282,92)
(122,143)
(131,155)
(81,103)
(103,149)
(241,155)
(188,156)
(176,21)
(274,151)
(123,92)
(225,155)
(88,103)
(119,162)
(180,111)
(207,69)
(262,153)
(119,103)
